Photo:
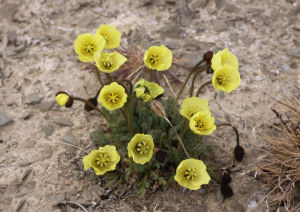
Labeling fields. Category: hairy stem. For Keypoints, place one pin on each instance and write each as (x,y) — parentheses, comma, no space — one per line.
(109,77)
(235,130)
(187,78)
(194,78)
(202,86)
(99,78)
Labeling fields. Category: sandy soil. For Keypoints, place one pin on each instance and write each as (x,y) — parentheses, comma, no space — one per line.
(37,59)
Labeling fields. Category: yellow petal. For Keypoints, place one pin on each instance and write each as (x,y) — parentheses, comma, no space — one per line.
(224,57)
(112,96)
(109,62)
(62,99)
(192,105)
(147,90)
(111,35)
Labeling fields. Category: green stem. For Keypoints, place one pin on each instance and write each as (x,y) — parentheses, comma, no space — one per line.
(188,77)
(235,130)
(129,117)
(180,141)
(202,86)
(108,77)
(99,77)
(91,105)
(194,78)
(185,127)
(151,75)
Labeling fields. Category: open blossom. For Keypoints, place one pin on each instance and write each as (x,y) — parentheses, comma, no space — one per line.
(86,45)
(226,75)
(226,78)
(191,174)
(109,62)
(147,90)
(202,123)
(111,35)
(112,96)
(140,148)
(102,160)
(158,58)
(190,106)
(224,57)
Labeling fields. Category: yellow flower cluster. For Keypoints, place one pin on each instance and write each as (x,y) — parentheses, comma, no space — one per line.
(89,48)
(226,75)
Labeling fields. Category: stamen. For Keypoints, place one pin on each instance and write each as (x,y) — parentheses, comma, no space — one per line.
(142,147)
(222,79)
(89,48)
(153,59)
(190,174)
(113,98)
(102,160)
(200,125)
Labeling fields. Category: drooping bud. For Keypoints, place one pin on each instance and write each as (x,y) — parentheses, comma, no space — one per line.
(157,107)
(226,191)
(226,179)
(93,101)
(239,153)
(63,99)
(208,56)
(160,156)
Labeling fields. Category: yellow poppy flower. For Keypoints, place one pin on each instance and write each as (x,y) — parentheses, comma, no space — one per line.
(86,45)
(111,35)
(112,96)
(202,123)
(103,160)
(191,174)
(140,148)
(62,99)
(109,62)
(190,106)
(226,78)
(158,57)
(147,90)
(224,57)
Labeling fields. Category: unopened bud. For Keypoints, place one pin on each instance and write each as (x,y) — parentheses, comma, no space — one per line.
(92,101)
(157,107)
(239,153)
(208,56)
(63,99)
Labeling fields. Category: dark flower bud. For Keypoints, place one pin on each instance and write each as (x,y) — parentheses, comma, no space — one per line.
(226,179)
(239,153)
(208,56)
(160,156)
(63,99)
(226,191)
(93,101)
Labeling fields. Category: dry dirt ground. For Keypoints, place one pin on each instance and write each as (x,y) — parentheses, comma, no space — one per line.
(37,59)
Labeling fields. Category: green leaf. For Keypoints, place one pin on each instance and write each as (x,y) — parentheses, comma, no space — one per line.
(99,138)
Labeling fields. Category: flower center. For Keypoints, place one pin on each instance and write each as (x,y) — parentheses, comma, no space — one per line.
(107,62)
(113,98)
(142,147)
(191,113)
(153,59)
(190,174)
(89,48)
(102,160)
(222,79)
(200,125)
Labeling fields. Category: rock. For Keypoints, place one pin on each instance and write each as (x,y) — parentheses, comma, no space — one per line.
(11,37)
(14,50)
(231,8)
(29,144)
(25,163)
(265,56)
(46,105)
(50,64)
(85,21)
(63,121)
(46,153)
(8,11)
(294,52)
(33,99)
(200,208)
(220,4)
(247,41)
(171,1)
(220,197)
(172,43)
(234,37)
(127,208)
(237,207)
(170,31)
(60,198)
(4,119)
(220,25)
(48,130)
(70,138)
(266,19)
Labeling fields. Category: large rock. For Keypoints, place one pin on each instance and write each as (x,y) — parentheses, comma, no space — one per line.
(33,99)
(294,52)
(70,138)
(63,121)
(4,119)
